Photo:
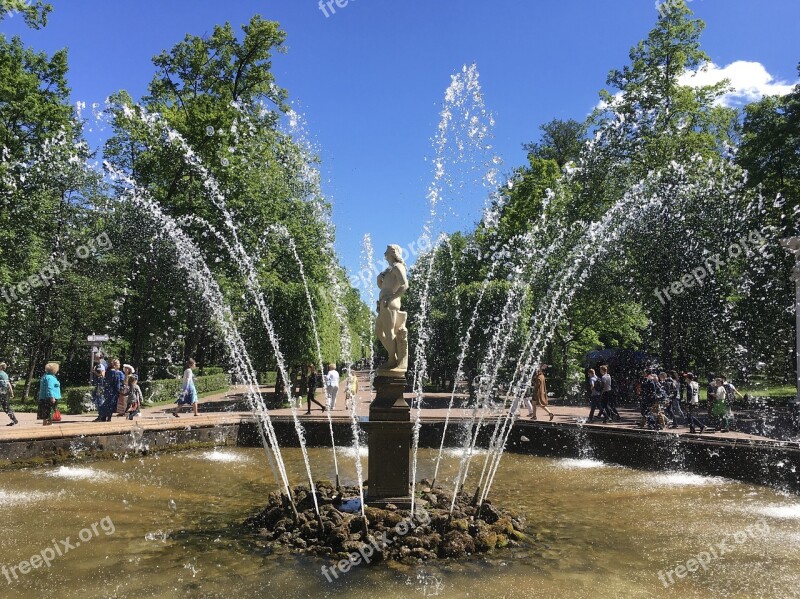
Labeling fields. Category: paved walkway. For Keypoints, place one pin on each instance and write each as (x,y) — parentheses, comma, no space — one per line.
(436,410)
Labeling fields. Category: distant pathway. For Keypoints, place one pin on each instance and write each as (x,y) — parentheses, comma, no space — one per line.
(159,419)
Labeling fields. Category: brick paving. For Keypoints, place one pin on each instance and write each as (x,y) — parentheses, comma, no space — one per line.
(435,409)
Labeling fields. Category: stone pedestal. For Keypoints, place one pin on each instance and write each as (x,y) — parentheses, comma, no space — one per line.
(389,430)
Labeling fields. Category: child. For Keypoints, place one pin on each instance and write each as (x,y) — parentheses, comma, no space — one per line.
(134,397)
(351,389)
(123,401)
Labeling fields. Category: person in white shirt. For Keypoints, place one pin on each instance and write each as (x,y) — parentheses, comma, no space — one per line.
(595,389)
(720,409)
(693,403)
(332,385)
(607,398)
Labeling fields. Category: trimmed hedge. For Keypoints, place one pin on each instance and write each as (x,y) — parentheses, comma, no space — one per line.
(167,390)
(211,370)
(75,398)
(153,391)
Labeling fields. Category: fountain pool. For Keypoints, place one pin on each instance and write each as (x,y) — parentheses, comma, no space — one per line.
(601,531)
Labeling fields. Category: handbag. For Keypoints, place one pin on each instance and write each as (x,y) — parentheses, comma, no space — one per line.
(57,415)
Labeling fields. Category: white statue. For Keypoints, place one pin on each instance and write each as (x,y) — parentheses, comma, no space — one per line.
(390,326)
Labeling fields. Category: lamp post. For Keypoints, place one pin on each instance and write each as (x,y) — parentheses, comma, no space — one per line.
(792,245)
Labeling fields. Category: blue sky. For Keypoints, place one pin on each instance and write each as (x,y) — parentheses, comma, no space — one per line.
(369,79)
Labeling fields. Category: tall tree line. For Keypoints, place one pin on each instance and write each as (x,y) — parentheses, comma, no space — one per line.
(210,127)
(705,176)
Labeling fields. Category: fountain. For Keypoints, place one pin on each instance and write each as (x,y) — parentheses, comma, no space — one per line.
(334,512)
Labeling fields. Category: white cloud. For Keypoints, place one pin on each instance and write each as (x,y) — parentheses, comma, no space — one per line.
(749,81)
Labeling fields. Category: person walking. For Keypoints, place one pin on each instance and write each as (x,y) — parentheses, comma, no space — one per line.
(594,387)
(693,403)
(351,389)
(332,385)
(6,394)
(720,408)
(675,398)
(672,391)
(312,382)
(98,383)
(113,385)
(731,392)
(49,393)
(607,397)
(711,393)
(188,395)
(539,388)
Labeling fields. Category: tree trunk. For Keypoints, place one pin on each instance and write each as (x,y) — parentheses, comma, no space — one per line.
(666,339)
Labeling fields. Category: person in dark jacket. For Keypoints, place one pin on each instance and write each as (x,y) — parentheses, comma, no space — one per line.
(312,382)
(49,393)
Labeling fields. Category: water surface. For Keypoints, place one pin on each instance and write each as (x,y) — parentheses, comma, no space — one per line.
(604,531)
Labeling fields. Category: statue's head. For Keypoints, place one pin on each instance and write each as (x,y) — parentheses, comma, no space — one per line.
(394,253)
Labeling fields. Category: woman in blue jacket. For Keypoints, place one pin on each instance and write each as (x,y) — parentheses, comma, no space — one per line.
(49,392)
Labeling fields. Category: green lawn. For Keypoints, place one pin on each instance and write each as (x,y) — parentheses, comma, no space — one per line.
(779,393)
(167,402)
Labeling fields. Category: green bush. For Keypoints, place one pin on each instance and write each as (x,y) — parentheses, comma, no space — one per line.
(158,391)
(74,398)
(214,382)
(267,378)
(166,391)
(211,370)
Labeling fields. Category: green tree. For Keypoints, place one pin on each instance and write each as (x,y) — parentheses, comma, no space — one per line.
(46,190)
(218,93)
(770,152)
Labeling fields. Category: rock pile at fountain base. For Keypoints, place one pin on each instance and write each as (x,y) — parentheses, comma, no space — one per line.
(393,534)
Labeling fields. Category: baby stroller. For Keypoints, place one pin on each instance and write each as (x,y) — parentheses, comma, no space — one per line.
(654,419)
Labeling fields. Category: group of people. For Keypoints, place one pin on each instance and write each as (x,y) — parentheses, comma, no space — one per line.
(601,396)
(330,382)
(666,399)
(115,390)
(663,395)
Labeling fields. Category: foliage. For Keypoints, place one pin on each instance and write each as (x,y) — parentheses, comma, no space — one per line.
(209,128)
(609,213)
